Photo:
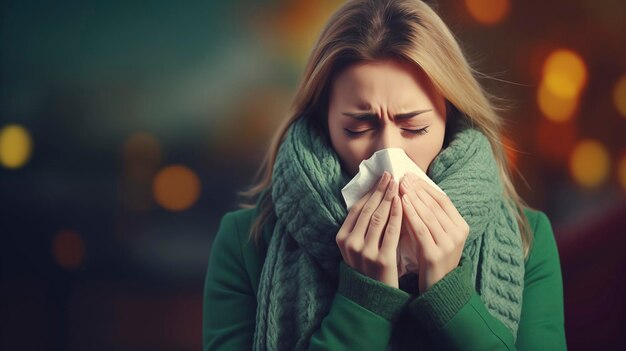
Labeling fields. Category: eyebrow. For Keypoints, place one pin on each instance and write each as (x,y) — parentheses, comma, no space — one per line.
(370,116)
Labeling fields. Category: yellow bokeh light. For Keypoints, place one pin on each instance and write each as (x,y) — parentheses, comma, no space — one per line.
(554,107)
(68,249)
(619,95)
(589,163)
(176,188)
(488,12)
(564,74)
(621,171)
(16,146)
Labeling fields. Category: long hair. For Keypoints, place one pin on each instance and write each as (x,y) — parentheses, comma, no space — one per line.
(371,30)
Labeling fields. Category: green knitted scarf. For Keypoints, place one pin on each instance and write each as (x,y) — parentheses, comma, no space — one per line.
(300,275)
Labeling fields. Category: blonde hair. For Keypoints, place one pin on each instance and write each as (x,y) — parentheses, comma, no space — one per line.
(371,30)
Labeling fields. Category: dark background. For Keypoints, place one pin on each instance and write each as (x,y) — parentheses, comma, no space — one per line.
(144,119)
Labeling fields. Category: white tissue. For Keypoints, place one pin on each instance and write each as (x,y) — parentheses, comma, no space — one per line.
(397,163)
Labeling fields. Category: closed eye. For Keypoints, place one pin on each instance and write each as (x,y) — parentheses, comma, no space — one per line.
(354,133)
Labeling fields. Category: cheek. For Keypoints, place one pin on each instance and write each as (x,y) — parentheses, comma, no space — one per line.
(424,153)
(351,157)
(349,153)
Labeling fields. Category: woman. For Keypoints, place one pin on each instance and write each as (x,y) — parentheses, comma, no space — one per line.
(298,271)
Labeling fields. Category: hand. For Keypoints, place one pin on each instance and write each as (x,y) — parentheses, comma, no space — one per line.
(440,230)
(361,241)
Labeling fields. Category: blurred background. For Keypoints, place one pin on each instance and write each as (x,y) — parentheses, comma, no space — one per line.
(126,129)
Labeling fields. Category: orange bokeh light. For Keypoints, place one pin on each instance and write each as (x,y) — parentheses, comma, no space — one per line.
(176,188)
(488,12)
(619,95)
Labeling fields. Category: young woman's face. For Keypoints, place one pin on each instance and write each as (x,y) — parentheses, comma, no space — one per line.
(383,104)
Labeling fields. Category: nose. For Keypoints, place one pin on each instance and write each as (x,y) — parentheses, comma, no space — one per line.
(388,137)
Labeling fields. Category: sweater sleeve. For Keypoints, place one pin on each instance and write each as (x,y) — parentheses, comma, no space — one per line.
(360,317)
(457,319)
(362,314)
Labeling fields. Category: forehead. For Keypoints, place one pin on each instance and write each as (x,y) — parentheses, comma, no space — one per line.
(387,80)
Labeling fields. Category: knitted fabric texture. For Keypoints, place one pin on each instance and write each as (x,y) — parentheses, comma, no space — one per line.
(300,275)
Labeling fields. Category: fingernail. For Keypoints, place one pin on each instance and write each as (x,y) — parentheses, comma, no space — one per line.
(406,178)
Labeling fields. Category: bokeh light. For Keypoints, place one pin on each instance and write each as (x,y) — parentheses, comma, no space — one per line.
(564,76)
(554,107)
(619,95)
(564,73)
(111,215)
(16,146)
(176,188)
(621,171)
(488,12)
(590,163)
(68,249)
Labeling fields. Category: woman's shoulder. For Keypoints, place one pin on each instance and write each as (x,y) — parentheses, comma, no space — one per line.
(539,222)
(543,247)
(534,216)
(241,218)
(235,225)
(232,245)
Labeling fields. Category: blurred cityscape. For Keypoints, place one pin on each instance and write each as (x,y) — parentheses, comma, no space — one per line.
(127,128)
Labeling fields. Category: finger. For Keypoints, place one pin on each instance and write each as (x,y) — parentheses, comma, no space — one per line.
(426,215)
(354,212)
(380,217)
(425,239)
(444,202)
(432,204)
(391,238)
(430,220)
(371,205)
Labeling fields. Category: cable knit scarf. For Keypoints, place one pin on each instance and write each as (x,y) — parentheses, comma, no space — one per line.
(300,275)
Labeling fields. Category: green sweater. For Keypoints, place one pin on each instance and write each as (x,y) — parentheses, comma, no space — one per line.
(366,314)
